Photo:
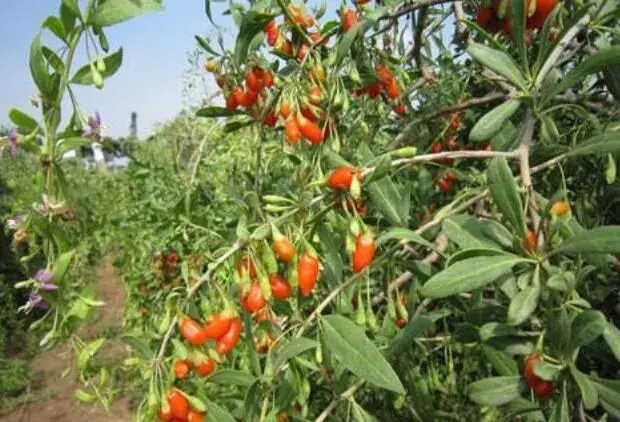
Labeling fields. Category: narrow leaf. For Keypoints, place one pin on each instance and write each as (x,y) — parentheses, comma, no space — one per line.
(349,343)
(604,239)
(112,62)
(501,361)
(612,337)
(492,122)
(252,24)
(603,58)
(232,377)
(499,62)
(22,120)
(589,395)
(468,275)
(604,143)
(523,305)
(112,12)
(38,67)
(586,327)
(217,112)
(291,349)
(494,391)
(400,233)
(505,194)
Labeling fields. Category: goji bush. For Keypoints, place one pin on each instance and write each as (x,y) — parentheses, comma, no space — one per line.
(404,211)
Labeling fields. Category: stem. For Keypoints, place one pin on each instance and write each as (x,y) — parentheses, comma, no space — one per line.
(492,97)
(524,151)
(291,19)
(556,53)
(334,403)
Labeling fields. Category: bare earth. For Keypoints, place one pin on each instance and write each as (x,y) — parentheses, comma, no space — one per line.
(55,400)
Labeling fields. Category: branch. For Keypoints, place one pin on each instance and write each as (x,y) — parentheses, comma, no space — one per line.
(472,102)
(524,150)
(206,277)
(556,53)
(459,17)
(417,44)
(404,9)
(334,403)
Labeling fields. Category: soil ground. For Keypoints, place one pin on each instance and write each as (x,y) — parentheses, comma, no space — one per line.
(52,397)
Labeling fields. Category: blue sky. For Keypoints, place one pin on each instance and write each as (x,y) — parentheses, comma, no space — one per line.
(150,82)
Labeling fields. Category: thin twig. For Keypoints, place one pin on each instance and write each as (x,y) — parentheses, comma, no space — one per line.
(459,17)
(524,150)
(417,44)
(472,102)
(557,52)
(334,403)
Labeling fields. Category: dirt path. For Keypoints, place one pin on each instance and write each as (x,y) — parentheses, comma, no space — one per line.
(53,398)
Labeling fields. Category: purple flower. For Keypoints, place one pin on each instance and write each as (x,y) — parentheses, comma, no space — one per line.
(36,301)
(44,278)
(13,142)
(95,128)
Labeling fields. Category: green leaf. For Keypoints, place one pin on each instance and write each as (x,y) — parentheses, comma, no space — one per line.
(73,6)
(493,121)
(589,395)
(385,196)
(22,120)
(113,62)
(560,411)
(468,275)
(139,345)
(499,62)
(517,27)
(612,337)
(38,67)
(501,361)
(549,130)
(217,112)
(505,194)
(547,371)
(217,413)
(343,47)
(55,25)
(291,349)
(84,397)
(400,233)
(53,60)
(89,351)
(252,402)
(180,351)
(523,305)
(205,45)
(586,327)
(412,330)
(603,143)
(388,201)
(609,395)
(467,232)
(598,61)
(361,415)
(115,11)
(70,144)
(604,239)
(610,170)
(252,24)
(61,266)
(356,352)
(465,333)
(232,377)
(494,391)
(195,402)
